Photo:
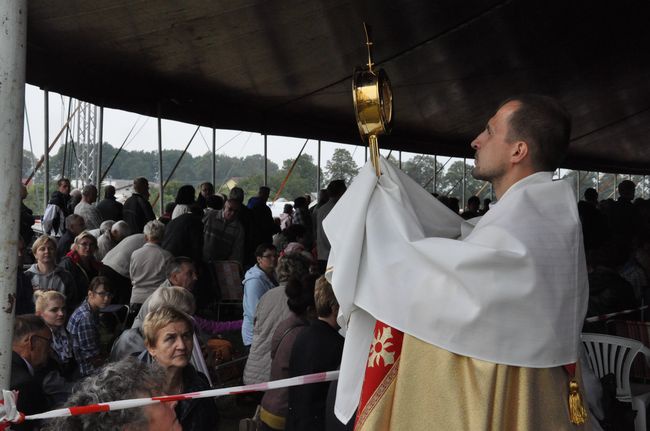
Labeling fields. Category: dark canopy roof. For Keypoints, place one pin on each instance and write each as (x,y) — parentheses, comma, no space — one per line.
(284,67)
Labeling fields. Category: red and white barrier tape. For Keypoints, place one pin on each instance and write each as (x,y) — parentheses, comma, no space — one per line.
(618,313)
(9,413)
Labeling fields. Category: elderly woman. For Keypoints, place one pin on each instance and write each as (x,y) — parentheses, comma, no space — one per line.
(271,310)
(126,379)
(147,268)
(82,264)
(132,340)
(301,303)
(45,275)
(168,337)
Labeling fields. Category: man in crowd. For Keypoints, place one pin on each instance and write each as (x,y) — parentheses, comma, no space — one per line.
(137,210)
(117,264)
(31,346)
(205,191)
(472,210)
(147,269)
(223,234)
(109,207)
(180,271)
(262,228)
(26,217)
(335,190)
(63,190)
(506,300)
(110,238)
(87,209)
(74,225)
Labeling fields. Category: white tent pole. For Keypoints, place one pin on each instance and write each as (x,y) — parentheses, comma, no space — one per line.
(13,15)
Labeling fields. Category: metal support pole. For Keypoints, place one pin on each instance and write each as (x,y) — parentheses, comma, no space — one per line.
(598,182)
(400,160)
(214,156)
(13,15)
(318,179)
(46,152)
(161,201)
(266,159)
(100,145)
(435,173)
(464,181)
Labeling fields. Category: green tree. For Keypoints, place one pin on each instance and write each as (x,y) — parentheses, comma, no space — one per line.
(421,169)
(341,166)
(451,183)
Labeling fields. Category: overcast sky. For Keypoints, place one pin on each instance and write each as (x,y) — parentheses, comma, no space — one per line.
(117,125)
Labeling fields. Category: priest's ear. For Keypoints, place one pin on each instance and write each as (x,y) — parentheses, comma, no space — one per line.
(520,151)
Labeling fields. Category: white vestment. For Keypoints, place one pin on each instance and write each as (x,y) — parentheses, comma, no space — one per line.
(511,290)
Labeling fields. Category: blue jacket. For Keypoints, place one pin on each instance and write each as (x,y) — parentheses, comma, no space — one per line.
(256,283)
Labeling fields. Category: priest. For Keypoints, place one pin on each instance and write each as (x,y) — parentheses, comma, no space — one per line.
(471,324)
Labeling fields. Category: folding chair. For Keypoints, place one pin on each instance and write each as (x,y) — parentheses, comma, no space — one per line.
(610,354)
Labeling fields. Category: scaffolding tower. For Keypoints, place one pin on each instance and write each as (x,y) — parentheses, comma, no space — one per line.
(87,153)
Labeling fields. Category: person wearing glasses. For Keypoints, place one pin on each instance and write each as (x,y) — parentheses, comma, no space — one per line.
(80,261)
(83,326)
(258,280)
(31,347)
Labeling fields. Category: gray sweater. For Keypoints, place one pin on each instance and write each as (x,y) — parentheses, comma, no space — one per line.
(271,310)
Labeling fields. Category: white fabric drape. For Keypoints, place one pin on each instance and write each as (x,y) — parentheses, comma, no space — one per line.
(510,290)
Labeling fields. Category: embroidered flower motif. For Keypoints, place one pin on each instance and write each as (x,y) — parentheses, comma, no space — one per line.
(379,346)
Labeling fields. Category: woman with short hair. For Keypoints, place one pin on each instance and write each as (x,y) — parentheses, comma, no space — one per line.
(168,337)
(184,201)
(45,275)
(80,261)
(126,379)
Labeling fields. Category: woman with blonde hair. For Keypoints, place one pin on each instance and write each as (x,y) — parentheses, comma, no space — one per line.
(50,305)
(45,275)
(80,261)
(168,337)
(60,371)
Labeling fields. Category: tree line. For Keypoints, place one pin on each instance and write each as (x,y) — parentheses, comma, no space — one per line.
(248,172)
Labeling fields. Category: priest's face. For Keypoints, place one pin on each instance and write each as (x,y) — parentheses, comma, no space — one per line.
(492,146)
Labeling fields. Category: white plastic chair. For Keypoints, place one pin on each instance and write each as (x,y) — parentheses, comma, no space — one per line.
(610,354)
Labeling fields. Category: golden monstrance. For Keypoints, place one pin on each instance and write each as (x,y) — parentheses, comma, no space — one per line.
(373,103)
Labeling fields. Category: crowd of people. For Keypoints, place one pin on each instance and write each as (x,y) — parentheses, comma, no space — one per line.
(98,259)
(95,255)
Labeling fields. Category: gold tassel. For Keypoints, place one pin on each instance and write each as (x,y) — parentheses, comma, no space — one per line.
(577,412)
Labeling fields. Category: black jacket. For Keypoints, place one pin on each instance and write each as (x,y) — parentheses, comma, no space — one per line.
(32,400)
(184,237)
(110,209)
(137,211)
(318,348)
(197,414)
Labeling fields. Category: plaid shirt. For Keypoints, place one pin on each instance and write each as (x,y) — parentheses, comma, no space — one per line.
(83,327)
(222,240)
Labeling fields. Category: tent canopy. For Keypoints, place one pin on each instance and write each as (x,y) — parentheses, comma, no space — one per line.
(285,67)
